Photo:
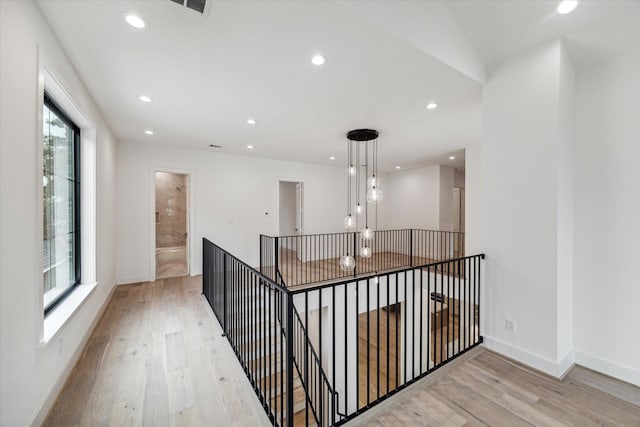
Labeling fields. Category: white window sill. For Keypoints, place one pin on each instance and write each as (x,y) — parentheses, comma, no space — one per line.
(64,312)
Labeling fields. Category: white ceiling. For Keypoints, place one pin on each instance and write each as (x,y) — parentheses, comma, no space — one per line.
(498,29)
(208,75)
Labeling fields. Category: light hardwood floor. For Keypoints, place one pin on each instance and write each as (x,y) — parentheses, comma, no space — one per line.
(482,388)
(157,358)
(296,273)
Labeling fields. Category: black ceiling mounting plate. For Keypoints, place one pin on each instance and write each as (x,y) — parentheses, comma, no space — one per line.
(362,134)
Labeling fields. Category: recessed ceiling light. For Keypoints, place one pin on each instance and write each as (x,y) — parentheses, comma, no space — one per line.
(250,147)
(317,60)
(251,121)
(432,106)
(144,98)
(135,21)
(452,157)
(397,167)
(148,132)
(567,6)
(332,158)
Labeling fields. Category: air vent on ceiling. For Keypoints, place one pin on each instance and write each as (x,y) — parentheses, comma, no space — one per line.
(197,5)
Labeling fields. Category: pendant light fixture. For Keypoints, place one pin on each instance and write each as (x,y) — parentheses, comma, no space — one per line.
(362,170)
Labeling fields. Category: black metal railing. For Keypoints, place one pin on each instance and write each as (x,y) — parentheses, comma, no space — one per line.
(323,354)
(320,395)
(249,307)
(380,333)
(313,258)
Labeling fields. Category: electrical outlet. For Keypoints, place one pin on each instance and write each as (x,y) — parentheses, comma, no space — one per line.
(511,325)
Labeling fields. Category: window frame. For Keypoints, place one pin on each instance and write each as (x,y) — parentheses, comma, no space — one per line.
(51,104)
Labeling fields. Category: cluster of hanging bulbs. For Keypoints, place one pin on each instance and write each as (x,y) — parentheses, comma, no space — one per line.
(359,144)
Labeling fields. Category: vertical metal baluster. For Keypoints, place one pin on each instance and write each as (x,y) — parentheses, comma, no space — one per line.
(404,329)
(442,314)
(321,412)
(357,345)
(346,350)
(306,351)
(388,327)
(368,345)
(429,314)
(413,324)
(333,348)
(378,334)
(421,309)
(397,316)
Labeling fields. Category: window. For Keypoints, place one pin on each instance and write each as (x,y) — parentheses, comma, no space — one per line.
(61,204)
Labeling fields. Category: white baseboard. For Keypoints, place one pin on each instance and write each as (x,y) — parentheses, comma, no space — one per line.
(57,388)
(607,367)
(549,367)
(133,279)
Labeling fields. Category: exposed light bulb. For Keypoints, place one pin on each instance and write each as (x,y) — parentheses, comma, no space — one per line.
(366,234)
(144,98)
(349,222)
(372,182)
(352,170)
(374,195)
(359,208)
(432,106)
(347,263)
(365,252)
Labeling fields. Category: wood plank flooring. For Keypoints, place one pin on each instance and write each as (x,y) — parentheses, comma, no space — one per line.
(157,358)
(482,388)
(296,272)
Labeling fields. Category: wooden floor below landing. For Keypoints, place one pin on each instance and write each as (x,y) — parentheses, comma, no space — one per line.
(157,358)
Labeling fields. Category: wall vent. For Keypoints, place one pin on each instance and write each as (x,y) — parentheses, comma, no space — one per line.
(199,6)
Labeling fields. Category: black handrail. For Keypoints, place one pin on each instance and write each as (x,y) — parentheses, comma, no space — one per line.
(312,258)
(439,300)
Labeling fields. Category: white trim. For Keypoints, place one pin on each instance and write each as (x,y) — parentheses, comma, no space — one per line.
(191,221)
(549,367)
(613,369)
(134,279)
(60,316)
(62,378)
(47,78)
(280,179)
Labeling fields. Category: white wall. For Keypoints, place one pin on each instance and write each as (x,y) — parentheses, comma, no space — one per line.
(458,178)
(445,205)
(235,200)
(32,372)
(513,209)
(412,199)
(607,208)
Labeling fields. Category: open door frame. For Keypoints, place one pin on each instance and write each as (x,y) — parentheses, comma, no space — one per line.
(191,249)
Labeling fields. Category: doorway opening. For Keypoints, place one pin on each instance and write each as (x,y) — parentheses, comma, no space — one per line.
(291,201)
(171,218)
